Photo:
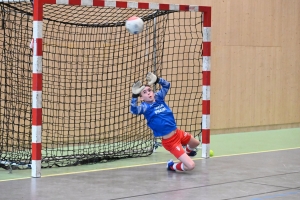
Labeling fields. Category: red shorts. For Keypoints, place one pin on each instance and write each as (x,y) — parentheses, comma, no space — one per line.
(174,143)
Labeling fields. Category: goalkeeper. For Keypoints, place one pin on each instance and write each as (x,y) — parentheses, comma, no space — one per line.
(161,120)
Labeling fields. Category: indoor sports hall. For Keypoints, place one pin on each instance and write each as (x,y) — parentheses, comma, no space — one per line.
(73,71)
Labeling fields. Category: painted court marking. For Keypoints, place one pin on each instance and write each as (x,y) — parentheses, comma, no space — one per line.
(140,165)
(273,196)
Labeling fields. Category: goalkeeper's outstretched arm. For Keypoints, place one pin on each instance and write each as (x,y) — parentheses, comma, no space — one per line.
(137,88)
(148,96)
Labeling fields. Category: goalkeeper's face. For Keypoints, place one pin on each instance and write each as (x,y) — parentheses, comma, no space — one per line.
(147,95)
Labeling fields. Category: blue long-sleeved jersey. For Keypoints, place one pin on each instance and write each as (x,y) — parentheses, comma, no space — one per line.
(159,116)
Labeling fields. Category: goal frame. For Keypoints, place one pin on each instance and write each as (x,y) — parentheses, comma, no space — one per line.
(37,75)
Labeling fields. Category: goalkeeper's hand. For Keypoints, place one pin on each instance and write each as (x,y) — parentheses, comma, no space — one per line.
(152,78)
(137,88)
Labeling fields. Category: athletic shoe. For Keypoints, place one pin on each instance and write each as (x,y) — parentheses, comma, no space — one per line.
(192,153)
(170,163)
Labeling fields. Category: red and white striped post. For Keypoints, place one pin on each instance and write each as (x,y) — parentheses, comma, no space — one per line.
(37,78)
(206,53)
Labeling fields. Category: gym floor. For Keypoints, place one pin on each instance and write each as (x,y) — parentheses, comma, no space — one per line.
(248,166)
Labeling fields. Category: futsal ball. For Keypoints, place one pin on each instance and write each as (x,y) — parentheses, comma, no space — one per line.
(134,25)
(211,153)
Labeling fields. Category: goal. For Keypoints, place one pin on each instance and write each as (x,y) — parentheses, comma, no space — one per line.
(67,67)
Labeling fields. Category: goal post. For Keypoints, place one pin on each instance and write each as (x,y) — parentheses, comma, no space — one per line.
(83,63)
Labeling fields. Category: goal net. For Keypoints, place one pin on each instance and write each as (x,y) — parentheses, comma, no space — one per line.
(89,64)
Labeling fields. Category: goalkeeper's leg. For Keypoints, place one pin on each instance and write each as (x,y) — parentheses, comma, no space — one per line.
(174,145)
(191,146)
(185,164)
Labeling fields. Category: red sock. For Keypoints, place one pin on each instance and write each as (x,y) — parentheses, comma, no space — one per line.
(188,149)
(178,166)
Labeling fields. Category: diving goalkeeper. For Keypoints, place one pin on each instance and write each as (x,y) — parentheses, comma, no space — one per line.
(160,120)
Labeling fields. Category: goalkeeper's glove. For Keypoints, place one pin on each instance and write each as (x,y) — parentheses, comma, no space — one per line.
(137,88)
(152,78)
